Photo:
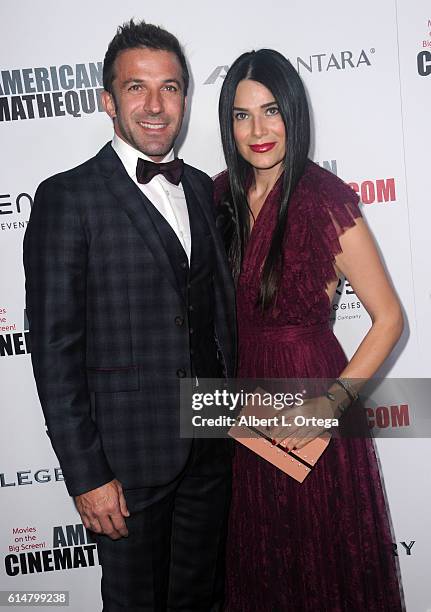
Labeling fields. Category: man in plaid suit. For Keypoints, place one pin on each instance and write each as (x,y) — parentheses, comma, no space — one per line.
(128,291)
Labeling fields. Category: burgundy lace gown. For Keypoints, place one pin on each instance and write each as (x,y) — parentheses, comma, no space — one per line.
(324,545)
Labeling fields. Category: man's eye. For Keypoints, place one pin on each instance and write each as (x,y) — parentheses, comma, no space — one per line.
(170,88)
(135,87)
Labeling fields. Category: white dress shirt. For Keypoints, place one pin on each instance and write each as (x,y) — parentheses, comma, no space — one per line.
(169,199)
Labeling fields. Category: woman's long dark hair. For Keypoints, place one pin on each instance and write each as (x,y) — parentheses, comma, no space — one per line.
(277,74)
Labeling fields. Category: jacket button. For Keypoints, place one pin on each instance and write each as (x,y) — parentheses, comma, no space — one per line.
(184,265)
(179,321)
(181,373)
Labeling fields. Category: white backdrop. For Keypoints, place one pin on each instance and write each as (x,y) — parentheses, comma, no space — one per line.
(367,68)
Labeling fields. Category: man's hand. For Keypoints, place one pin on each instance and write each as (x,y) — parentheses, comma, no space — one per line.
(103,510)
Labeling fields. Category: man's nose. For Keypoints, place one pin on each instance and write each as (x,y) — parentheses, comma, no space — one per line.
(153,102)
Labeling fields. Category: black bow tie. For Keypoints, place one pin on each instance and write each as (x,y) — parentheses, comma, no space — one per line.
(172,171)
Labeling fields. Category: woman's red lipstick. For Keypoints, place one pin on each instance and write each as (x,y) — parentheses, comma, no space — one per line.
(262,148)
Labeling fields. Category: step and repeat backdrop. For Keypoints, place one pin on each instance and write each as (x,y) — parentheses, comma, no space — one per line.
(367,69)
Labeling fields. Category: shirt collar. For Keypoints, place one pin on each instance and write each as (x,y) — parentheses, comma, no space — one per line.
(129,155)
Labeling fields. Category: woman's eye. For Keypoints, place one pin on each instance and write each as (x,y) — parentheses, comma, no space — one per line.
(240,116)
(272,110)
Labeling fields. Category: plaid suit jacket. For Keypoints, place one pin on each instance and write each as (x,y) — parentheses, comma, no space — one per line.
(102,300)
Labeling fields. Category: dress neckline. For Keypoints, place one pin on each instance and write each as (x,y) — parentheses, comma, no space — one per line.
(266,204)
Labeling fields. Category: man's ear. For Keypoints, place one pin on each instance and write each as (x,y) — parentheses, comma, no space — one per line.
(108,104)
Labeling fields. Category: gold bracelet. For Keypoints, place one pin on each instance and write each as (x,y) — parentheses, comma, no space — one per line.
(350,391)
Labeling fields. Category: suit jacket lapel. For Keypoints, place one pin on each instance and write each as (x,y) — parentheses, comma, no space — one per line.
(134,203)
(224,286)
(193,189)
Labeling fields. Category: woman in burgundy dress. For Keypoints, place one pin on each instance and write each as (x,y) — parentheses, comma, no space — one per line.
(292,229)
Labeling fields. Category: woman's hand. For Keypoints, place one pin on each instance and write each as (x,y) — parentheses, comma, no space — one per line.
(300,425)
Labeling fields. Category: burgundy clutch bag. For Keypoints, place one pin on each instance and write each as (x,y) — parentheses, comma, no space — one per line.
(297,464)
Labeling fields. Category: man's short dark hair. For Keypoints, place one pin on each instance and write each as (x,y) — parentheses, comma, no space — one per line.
(133,35)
